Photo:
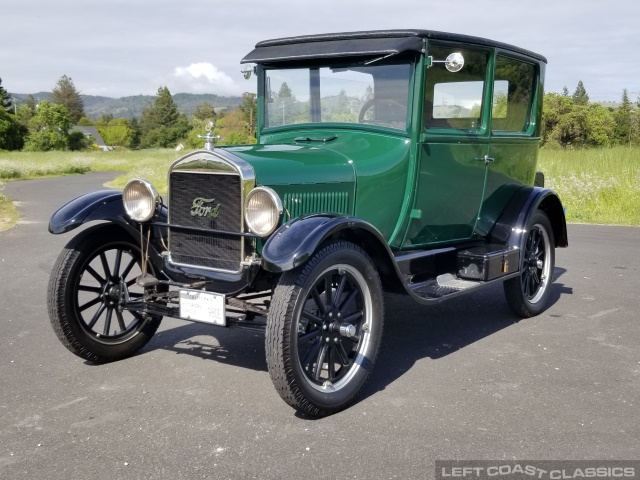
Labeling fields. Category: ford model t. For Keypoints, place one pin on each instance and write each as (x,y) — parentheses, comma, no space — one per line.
(387,161)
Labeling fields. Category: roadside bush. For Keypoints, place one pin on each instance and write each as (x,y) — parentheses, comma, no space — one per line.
(12,133)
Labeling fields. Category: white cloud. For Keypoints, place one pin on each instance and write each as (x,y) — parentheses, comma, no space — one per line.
(204,77)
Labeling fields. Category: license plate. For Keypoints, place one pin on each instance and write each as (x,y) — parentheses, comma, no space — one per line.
(204,307)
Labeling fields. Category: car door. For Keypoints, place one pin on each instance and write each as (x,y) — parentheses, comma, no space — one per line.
(453,146)
(515,133)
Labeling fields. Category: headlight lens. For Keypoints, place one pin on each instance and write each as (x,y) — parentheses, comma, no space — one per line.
(140,199)
(263,211)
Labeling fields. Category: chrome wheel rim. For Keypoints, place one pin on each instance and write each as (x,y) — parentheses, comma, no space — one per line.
(334,328)
(536,267)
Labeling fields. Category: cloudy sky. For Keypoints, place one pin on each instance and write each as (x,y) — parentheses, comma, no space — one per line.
(129,47)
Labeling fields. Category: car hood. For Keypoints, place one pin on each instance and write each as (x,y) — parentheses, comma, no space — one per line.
(295,164)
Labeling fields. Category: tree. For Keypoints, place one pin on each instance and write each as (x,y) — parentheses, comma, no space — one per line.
(49,128)
(368,94)
(635,126)
(5,100)
(283,109)
(117,133)
(163,112)
(135,126)
(204,111)
(30,101)
(555,107)
(565,91)
(12,132)
(600,125)
(161,124)
(234,129)
(24,114)
(580,96)
(623,120)
(65,94)
(249,109)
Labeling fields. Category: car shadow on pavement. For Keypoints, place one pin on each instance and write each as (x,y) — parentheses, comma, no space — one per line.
(412,332)
(240,348)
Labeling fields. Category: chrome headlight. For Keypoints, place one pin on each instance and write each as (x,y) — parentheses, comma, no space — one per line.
(263,211)
(140,199)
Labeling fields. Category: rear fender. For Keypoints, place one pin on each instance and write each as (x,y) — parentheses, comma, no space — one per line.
(514,220)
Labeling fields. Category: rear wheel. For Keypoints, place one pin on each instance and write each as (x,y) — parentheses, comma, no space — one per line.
(528,294)
(86,292)
(324,329)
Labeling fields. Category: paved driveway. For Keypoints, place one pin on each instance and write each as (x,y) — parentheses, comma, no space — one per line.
(463,380)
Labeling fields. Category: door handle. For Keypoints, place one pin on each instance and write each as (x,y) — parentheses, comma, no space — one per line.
(486,159)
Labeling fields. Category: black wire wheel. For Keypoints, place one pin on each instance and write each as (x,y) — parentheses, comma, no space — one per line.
(528,294)
(89,283)
(324,329)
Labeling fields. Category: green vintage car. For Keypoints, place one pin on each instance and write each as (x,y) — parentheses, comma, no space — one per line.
(398,161)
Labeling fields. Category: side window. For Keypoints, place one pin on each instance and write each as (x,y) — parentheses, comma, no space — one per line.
(512,94)
(454,99)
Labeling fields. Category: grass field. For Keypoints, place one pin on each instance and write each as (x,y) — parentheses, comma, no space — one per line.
(150,164)
(596,186)
(8,212)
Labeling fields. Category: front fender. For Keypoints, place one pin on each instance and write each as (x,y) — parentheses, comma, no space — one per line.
(103,205)
(295,241)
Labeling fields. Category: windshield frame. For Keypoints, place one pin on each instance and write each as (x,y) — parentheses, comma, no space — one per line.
(263,93)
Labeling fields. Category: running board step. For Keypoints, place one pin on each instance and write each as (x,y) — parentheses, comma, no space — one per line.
(442,286)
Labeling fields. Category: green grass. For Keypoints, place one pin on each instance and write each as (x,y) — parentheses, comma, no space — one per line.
(596,186)
(149,164)
(8,212)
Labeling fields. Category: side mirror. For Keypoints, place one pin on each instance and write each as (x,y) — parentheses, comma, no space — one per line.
(454,62)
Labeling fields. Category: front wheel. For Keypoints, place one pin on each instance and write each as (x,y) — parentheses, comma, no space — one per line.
(528,294)
(324,329)
(86,292)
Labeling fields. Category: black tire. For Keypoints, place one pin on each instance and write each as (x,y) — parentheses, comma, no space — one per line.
(82,296)
(338,286)
(528,294)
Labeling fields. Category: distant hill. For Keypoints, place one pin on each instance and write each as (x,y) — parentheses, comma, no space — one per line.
(128,107)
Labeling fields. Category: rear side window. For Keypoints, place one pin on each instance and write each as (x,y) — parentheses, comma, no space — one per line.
(455,99)
(512,94)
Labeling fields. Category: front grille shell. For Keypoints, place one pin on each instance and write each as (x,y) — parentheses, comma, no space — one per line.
(195,175)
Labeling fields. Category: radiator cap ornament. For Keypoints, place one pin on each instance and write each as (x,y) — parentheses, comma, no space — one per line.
(208,137)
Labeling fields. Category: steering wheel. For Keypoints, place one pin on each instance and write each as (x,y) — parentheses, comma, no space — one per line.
(384,101)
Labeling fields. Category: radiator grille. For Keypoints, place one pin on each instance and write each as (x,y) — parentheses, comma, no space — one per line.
(322,202)
(204,249)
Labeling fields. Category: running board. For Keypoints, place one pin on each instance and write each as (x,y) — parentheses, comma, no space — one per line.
(447,286)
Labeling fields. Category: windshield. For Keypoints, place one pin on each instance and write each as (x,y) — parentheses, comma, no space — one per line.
(366,94)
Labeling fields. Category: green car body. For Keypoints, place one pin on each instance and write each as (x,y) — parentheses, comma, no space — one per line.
(400,161)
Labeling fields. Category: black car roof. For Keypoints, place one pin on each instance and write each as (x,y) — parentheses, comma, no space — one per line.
(366,43)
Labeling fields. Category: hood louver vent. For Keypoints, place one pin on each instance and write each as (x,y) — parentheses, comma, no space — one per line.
(303,203)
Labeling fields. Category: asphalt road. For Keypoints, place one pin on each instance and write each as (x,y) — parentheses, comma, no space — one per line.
(463,380)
